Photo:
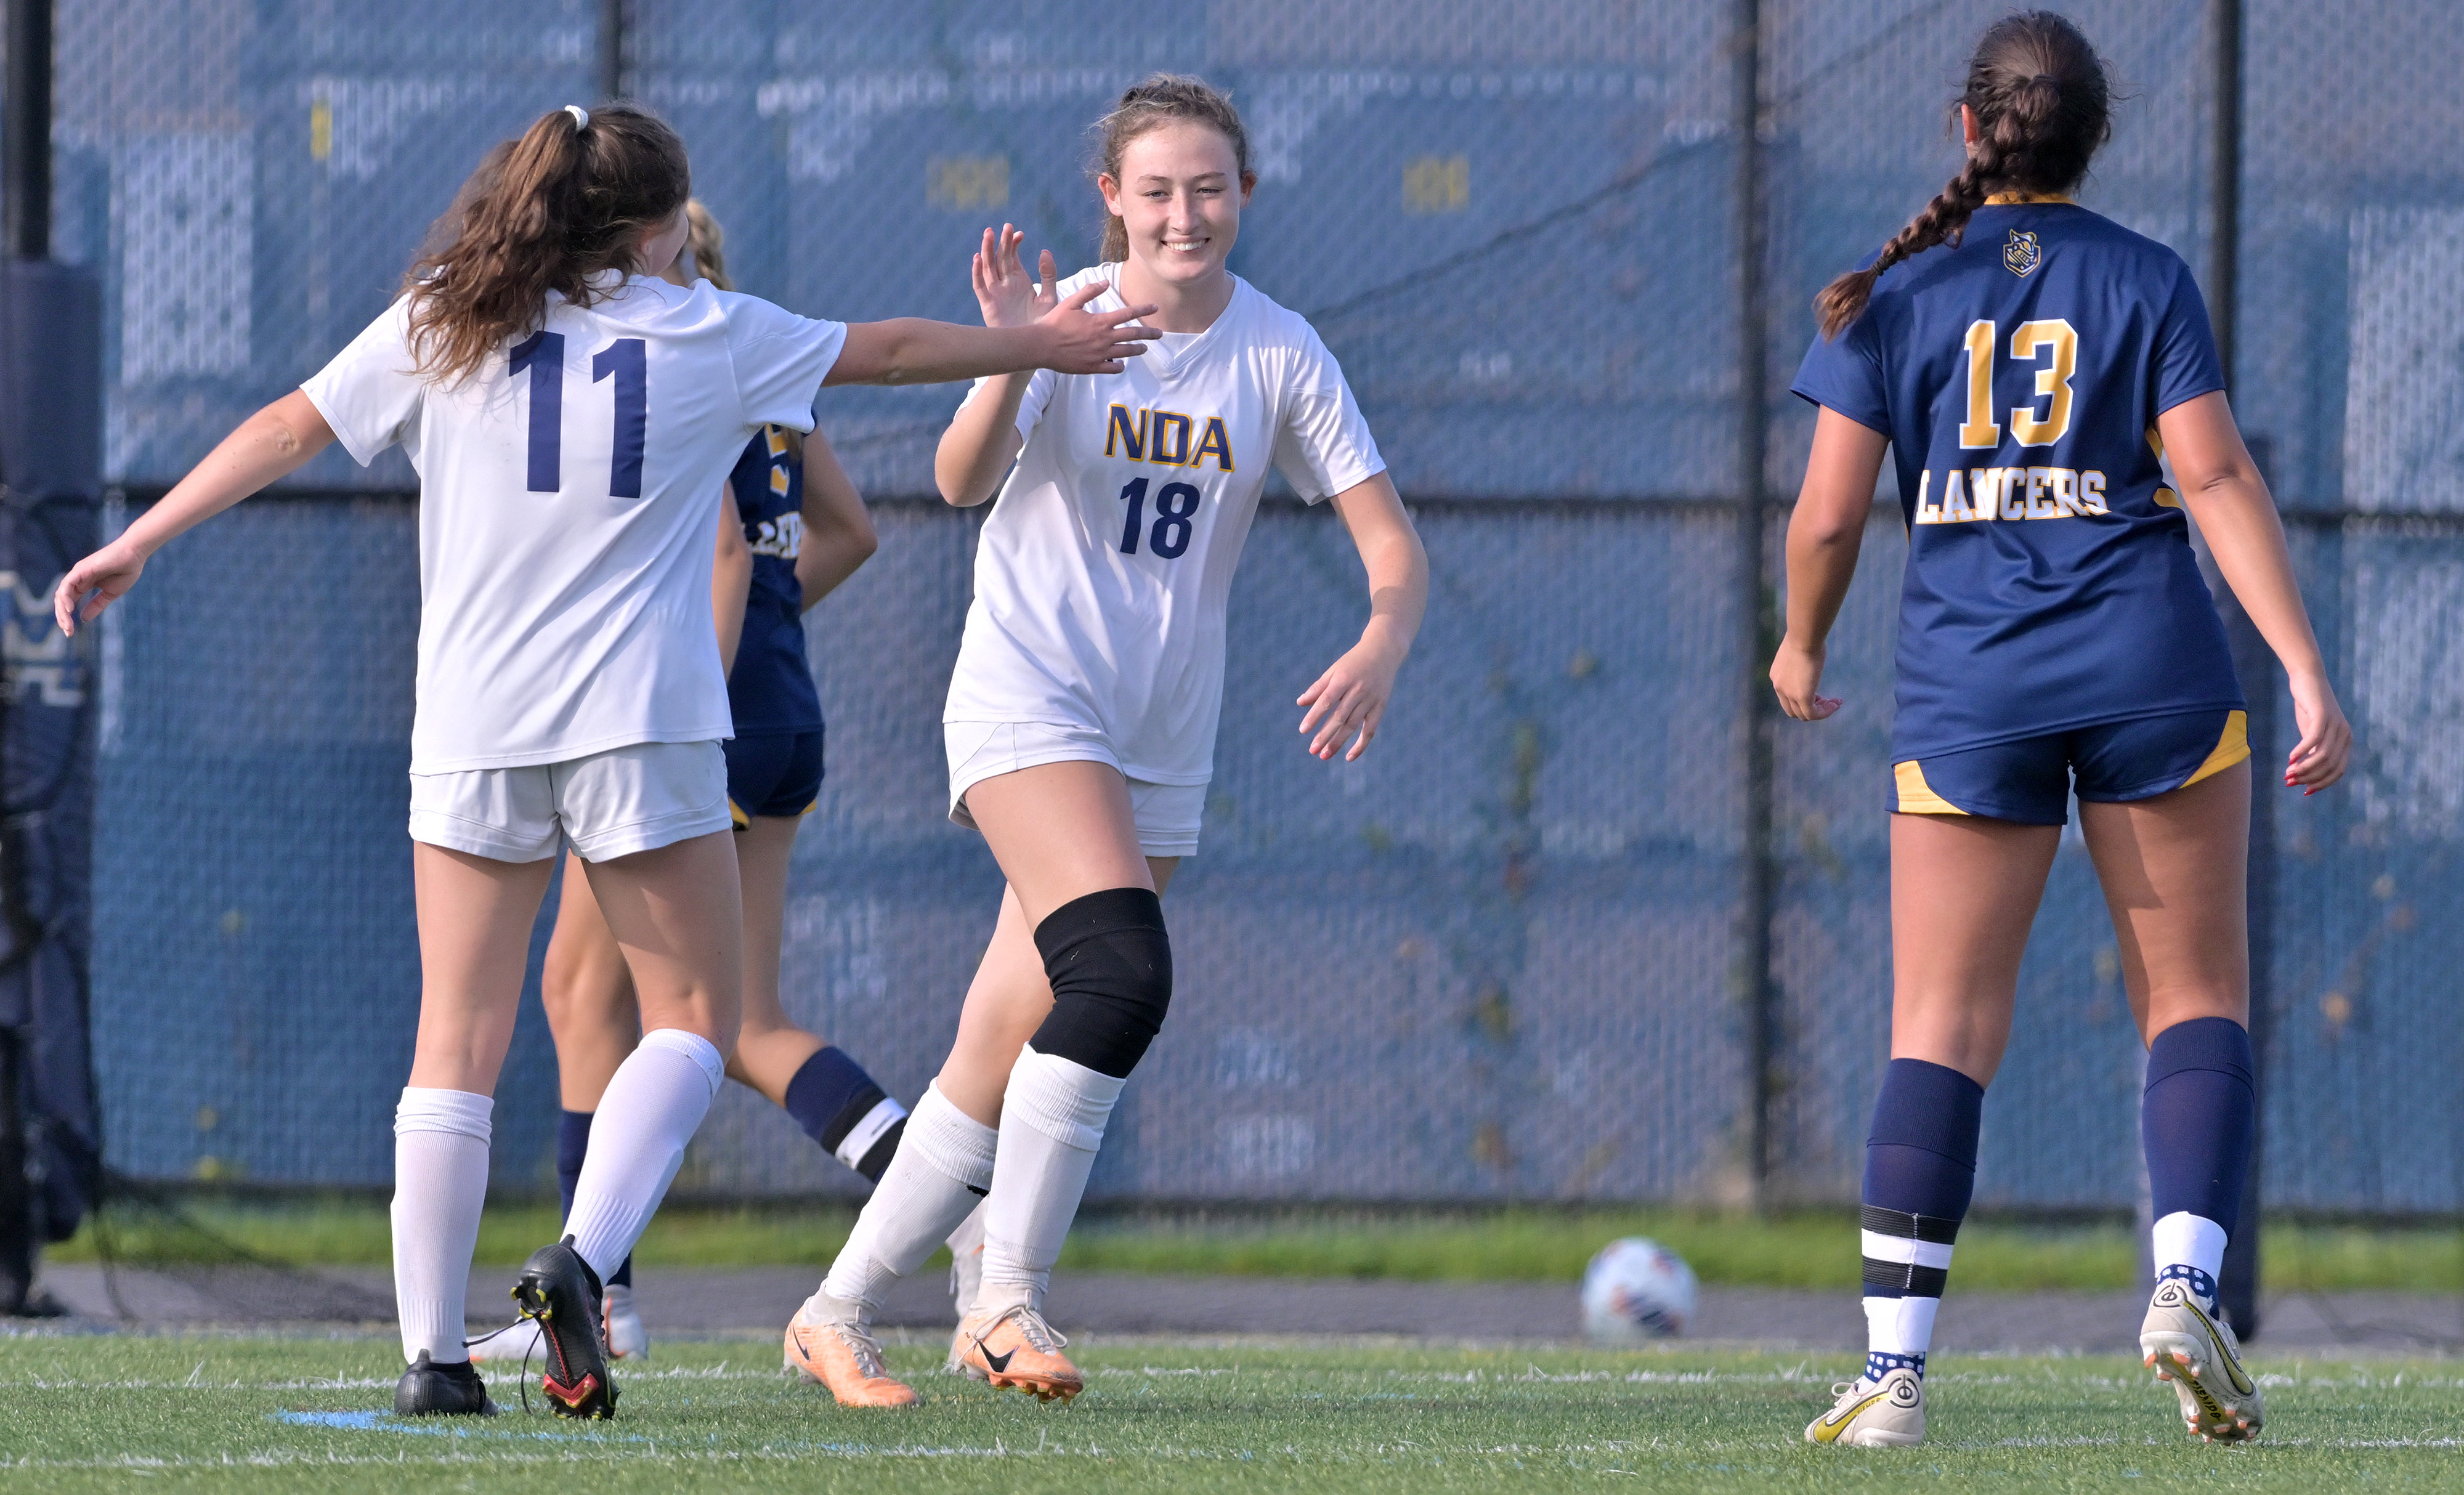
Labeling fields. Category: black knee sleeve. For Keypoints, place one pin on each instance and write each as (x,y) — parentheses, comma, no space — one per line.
(1110,969)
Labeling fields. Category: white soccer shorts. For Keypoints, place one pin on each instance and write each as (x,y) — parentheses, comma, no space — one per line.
(636,798)
(1166,815)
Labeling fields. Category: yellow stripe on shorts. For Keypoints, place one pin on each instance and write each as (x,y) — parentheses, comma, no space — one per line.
(2232,747)
(1916,796)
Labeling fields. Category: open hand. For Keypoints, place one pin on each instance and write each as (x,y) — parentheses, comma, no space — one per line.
(1009,296)
(1080,342)
(107,574)
(1348,702)
(1797,678)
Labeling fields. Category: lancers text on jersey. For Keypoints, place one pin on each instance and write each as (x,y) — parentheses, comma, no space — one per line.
(1971,495)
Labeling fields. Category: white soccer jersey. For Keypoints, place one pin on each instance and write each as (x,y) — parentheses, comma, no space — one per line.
(1102,575)
(568,491)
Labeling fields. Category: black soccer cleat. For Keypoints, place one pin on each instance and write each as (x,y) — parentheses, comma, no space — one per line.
(558,1290)
(427,1389)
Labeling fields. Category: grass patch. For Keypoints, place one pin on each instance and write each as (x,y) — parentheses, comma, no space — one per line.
(1812,1249)
(268,1414)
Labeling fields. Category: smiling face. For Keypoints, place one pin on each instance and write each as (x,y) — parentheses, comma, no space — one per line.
(1179,194)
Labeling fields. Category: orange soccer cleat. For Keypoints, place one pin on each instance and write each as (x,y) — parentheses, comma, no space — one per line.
(843,1356)
(1015,1348)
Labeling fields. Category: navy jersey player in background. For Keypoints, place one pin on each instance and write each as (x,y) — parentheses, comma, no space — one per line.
(2028,362)
(791,527)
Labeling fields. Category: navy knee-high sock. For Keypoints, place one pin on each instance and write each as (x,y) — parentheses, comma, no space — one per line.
(1920,1170)
(2196,1121)
(572,1146)
(841,1107)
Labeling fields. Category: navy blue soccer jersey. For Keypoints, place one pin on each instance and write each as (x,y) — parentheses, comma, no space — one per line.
(771,687)
(2050,582)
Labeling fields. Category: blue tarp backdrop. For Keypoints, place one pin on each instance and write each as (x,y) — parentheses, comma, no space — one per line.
(1498,957)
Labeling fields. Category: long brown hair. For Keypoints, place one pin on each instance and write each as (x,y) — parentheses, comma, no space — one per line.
(543,213)
(707,243)
(2042,108)
(1159,100)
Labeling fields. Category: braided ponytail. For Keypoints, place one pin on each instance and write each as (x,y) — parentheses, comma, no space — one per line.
(2042,109)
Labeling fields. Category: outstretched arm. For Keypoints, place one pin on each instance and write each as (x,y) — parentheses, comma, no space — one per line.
(2237,516)
(838,531)
(911,350)
(273,442)
(1823,537)
(1350,700)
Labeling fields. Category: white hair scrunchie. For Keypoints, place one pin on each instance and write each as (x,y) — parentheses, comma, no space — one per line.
(581,117)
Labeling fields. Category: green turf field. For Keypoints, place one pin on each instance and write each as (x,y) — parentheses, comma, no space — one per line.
(275,1413)
(1807,1250)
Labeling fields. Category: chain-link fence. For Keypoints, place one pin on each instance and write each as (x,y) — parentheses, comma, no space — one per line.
(1498,959)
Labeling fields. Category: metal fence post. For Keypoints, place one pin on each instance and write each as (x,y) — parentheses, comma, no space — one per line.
(611,48)
(26,219)
(2252,658)
(26,132)
(1754,984)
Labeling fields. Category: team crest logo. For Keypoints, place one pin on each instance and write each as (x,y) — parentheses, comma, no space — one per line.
(2022,253)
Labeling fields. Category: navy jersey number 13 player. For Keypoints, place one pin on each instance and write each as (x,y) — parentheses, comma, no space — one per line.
(2029,362)
(2020,390)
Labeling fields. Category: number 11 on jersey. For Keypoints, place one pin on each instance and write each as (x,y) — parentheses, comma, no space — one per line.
(542,355)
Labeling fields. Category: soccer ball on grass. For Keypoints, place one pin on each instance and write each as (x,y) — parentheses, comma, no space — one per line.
(1637,1291)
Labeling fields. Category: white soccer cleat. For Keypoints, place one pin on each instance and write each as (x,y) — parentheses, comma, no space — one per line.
(511,1345)
(626,1338)
(2186,1345)
(1884,1413)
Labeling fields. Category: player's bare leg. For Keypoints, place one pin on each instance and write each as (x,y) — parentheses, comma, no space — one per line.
(1007,1002)
(474,919)
(770,1050)
(927,1194)
(1964,890)
(1062,833)
(829,1096)
(678,915)
(2175,870)
(588,993)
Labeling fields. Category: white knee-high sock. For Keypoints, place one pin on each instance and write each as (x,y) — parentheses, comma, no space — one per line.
(651,1110)
(440,1183)
(944,1164)
(1053,1123)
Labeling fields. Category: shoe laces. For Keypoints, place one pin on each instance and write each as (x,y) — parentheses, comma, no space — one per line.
(1032,1328)
(861,1345)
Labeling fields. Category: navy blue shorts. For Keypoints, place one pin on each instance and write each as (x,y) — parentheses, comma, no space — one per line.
(2030,781)
(775,774)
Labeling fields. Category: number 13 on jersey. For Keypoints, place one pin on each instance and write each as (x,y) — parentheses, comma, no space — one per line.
(1176,505)
(2029,341)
